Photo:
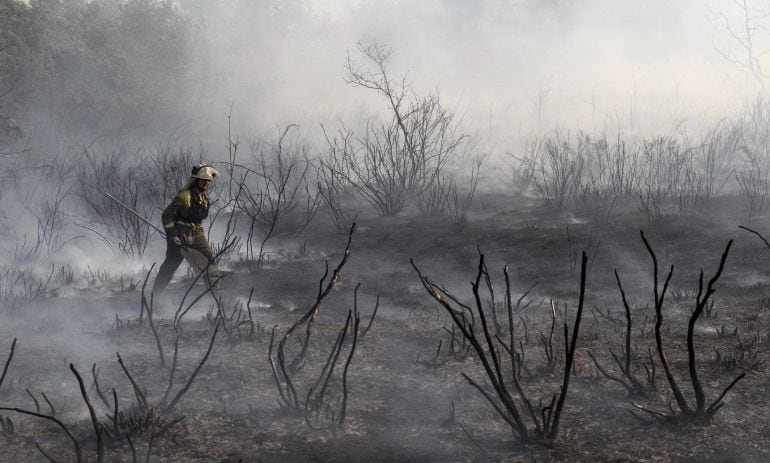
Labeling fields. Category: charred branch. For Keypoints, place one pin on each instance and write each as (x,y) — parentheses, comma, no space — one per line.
(8,362)
(701,412)
(170,407)
(545,425)
(283,369)
(659,296)
(628,379)
(59,423)
(92,413)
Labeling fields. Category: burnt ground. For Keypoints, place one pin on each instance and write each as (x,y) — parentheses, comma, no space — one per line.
(400,391)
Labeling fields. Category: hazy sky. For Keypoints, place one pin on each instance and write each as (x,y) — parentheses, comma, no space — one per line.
(511,66)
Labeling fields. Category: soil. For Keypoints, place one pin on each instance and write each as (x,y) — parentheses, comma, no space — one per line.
(406,398)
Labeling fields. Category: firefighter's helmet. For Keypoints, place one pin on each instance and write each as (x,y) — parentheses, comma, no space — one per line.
(204,171)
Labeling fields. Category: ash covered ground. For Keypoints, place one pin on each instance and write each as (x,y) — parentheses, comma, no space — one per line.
(406,398)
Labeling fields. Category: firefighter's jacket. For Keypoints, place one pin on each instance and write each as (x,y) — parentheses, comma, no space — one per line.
(186,211)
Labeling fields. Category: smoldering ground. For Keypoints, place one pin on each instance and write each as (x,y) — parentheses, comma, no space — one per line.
(407,398)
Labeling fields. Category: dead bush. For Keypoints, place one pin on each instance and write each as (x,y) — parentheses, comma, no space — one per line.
(507,395)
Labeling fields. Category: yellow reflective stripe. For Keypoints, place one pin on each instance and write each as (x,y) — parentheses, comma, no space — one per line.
(185,198)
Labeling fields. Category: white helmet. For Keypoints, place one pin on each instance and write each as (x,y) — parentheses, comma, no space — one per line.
(204,171)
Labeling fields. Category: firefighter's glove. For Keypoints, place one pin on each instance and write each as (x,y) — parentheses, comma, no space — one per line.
(173,238)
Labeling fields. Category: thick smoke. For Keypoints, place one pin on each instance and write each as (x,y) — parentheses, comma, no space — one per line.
(130,80)
(511,67)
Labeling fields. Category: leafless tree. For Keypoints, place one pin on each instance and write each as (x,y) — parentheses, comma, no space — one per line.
(740,40)
(333,186)
(391,162)
(117,226)
(716,156)
(444,197)
(275,192)
(558,169)
(754,191)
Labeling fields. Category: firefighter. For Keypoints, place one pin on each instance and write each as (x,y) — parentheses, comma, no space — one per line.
(182,222)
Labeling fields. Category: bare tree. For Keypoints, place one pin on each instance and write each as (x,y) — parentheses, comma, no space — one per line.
(333,186)
(390,162)
(113,223)
(744,24)
(275,192)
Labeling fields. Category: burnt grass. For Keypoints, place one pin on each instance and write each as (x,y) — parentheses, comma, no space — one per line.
(401,392)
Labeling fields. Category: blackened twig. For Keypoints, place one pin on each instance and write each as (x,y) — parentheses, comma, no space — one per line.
(248,309)
(756,233)
(78,452)
(371,319)
(554,428)
(94,422)
(8,362)
(659,298)
(137,391)
(50,405)
(144,300)
(173,371)
(150,310)
(34,399)
(182,391)
(48,457)
(343,406)
(95,374)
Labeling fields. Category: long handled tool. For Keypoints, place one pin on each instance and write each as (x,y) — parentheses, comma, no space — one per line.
(195,258)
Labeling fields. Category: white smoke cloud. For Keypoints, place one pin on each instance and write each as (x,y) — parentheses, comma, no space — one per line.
(511,66)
